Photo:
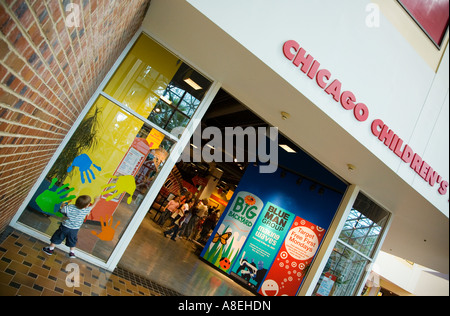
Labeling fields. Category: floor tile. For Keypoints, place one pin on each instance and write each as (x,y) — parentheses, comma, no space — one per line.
(152,265)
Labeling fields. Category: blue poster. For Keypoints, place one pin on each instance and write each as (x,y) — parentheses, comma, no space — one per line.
(262,245)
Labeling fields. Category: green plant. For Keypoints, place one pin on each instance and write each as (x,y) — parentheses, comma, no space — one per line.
(85,137)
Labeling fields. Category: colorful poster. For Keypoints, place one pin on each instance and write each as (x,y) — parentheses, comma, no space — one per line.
(154,138)
(293,259)
(122,181)
(262,246)
(227,240)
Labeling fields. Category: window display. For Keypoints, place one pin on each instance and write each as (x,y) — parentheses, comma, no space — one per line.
(119,147)
(271,230)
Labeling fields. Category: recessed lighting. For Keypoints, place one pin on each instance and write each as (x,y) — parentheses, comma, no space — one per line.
(194,146)
(166,100)
(285,115)
(192,83)
(287,148)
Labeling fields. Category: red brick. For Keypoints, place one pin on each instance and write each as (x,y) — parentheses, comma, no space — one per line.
(48,90)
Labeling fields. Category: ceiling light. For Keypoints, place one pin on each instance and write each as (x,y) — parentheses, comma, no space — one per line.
(187,78)
(194,146)
(351,167)
(192,83)
(287,148)
(285,115)
(166,100)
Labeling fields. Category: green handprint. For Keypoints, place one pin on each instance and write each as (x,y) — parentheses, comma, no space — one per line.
(124,184)
(47,200)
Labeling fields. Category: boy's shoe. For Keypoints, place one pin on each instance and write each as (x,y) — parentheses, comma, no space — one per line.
(48,251)
(72,255)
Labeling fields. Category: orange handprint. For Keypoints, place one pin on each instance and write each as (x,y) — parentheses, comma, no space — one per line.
(108,231)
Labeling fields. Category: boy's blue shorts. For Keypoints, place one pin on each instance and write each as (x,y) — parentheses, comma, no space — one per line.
(70,235)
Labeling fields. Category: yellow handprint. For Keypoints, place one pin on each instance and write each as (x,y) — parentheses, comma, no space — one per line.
(124,184)
(107,232)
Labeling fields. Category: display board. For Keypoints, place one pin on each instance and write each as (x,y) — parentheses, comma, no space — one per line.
(270,231)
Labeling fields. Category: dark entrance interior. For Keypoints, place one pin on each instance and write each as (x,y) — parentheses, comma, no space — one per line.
(176,264)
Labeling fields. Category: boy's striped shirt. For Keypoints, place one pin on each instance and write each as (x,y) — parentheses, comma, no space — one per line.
(75,216)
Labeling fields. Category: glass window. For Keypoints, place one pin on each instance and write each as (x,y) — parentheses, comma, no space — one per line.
(157,85)
(353,250)
(115,155)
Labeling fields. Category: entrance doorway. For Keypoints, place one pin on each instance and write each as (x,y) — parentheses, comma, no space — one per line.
(177,265)
(180,264)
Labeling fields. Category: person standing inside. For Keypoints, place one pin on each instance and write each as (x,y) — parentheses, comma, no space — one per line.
(202,213)
(209,223)
(170,208)
(178,220)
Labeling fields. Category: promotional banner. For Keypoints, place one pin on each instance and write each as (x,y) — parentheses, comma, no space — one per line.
(262,245)
(227,240)
(293,259)
(265,238)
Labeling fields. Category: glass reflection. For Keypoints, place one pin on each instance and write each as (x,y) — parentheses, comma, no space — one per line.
(353,250)
(157,85)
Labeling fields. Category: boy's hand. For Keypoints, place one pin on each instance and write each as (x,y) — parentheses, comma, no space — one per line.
(96,199)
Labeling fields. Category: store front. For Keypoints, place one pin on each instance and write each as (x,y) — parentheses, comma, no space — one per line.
(126,139)
(308,226)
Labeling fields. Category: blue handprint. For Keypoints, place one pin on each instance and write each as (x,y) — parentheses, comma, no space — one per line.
(84,163)
(47,200)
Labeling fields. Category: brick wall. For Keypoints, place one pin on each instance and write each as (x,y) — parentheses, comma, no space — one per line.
(49,70)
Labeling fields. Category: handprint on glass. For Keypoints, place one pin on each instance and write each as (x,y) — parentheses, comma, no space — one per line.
(48,199)
(124,184)
(108,231)
(84,163)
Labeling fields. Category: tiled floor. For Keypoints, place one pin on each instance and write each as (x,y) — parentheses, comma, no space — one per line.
(25,270)
(152,265)
(176,265)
